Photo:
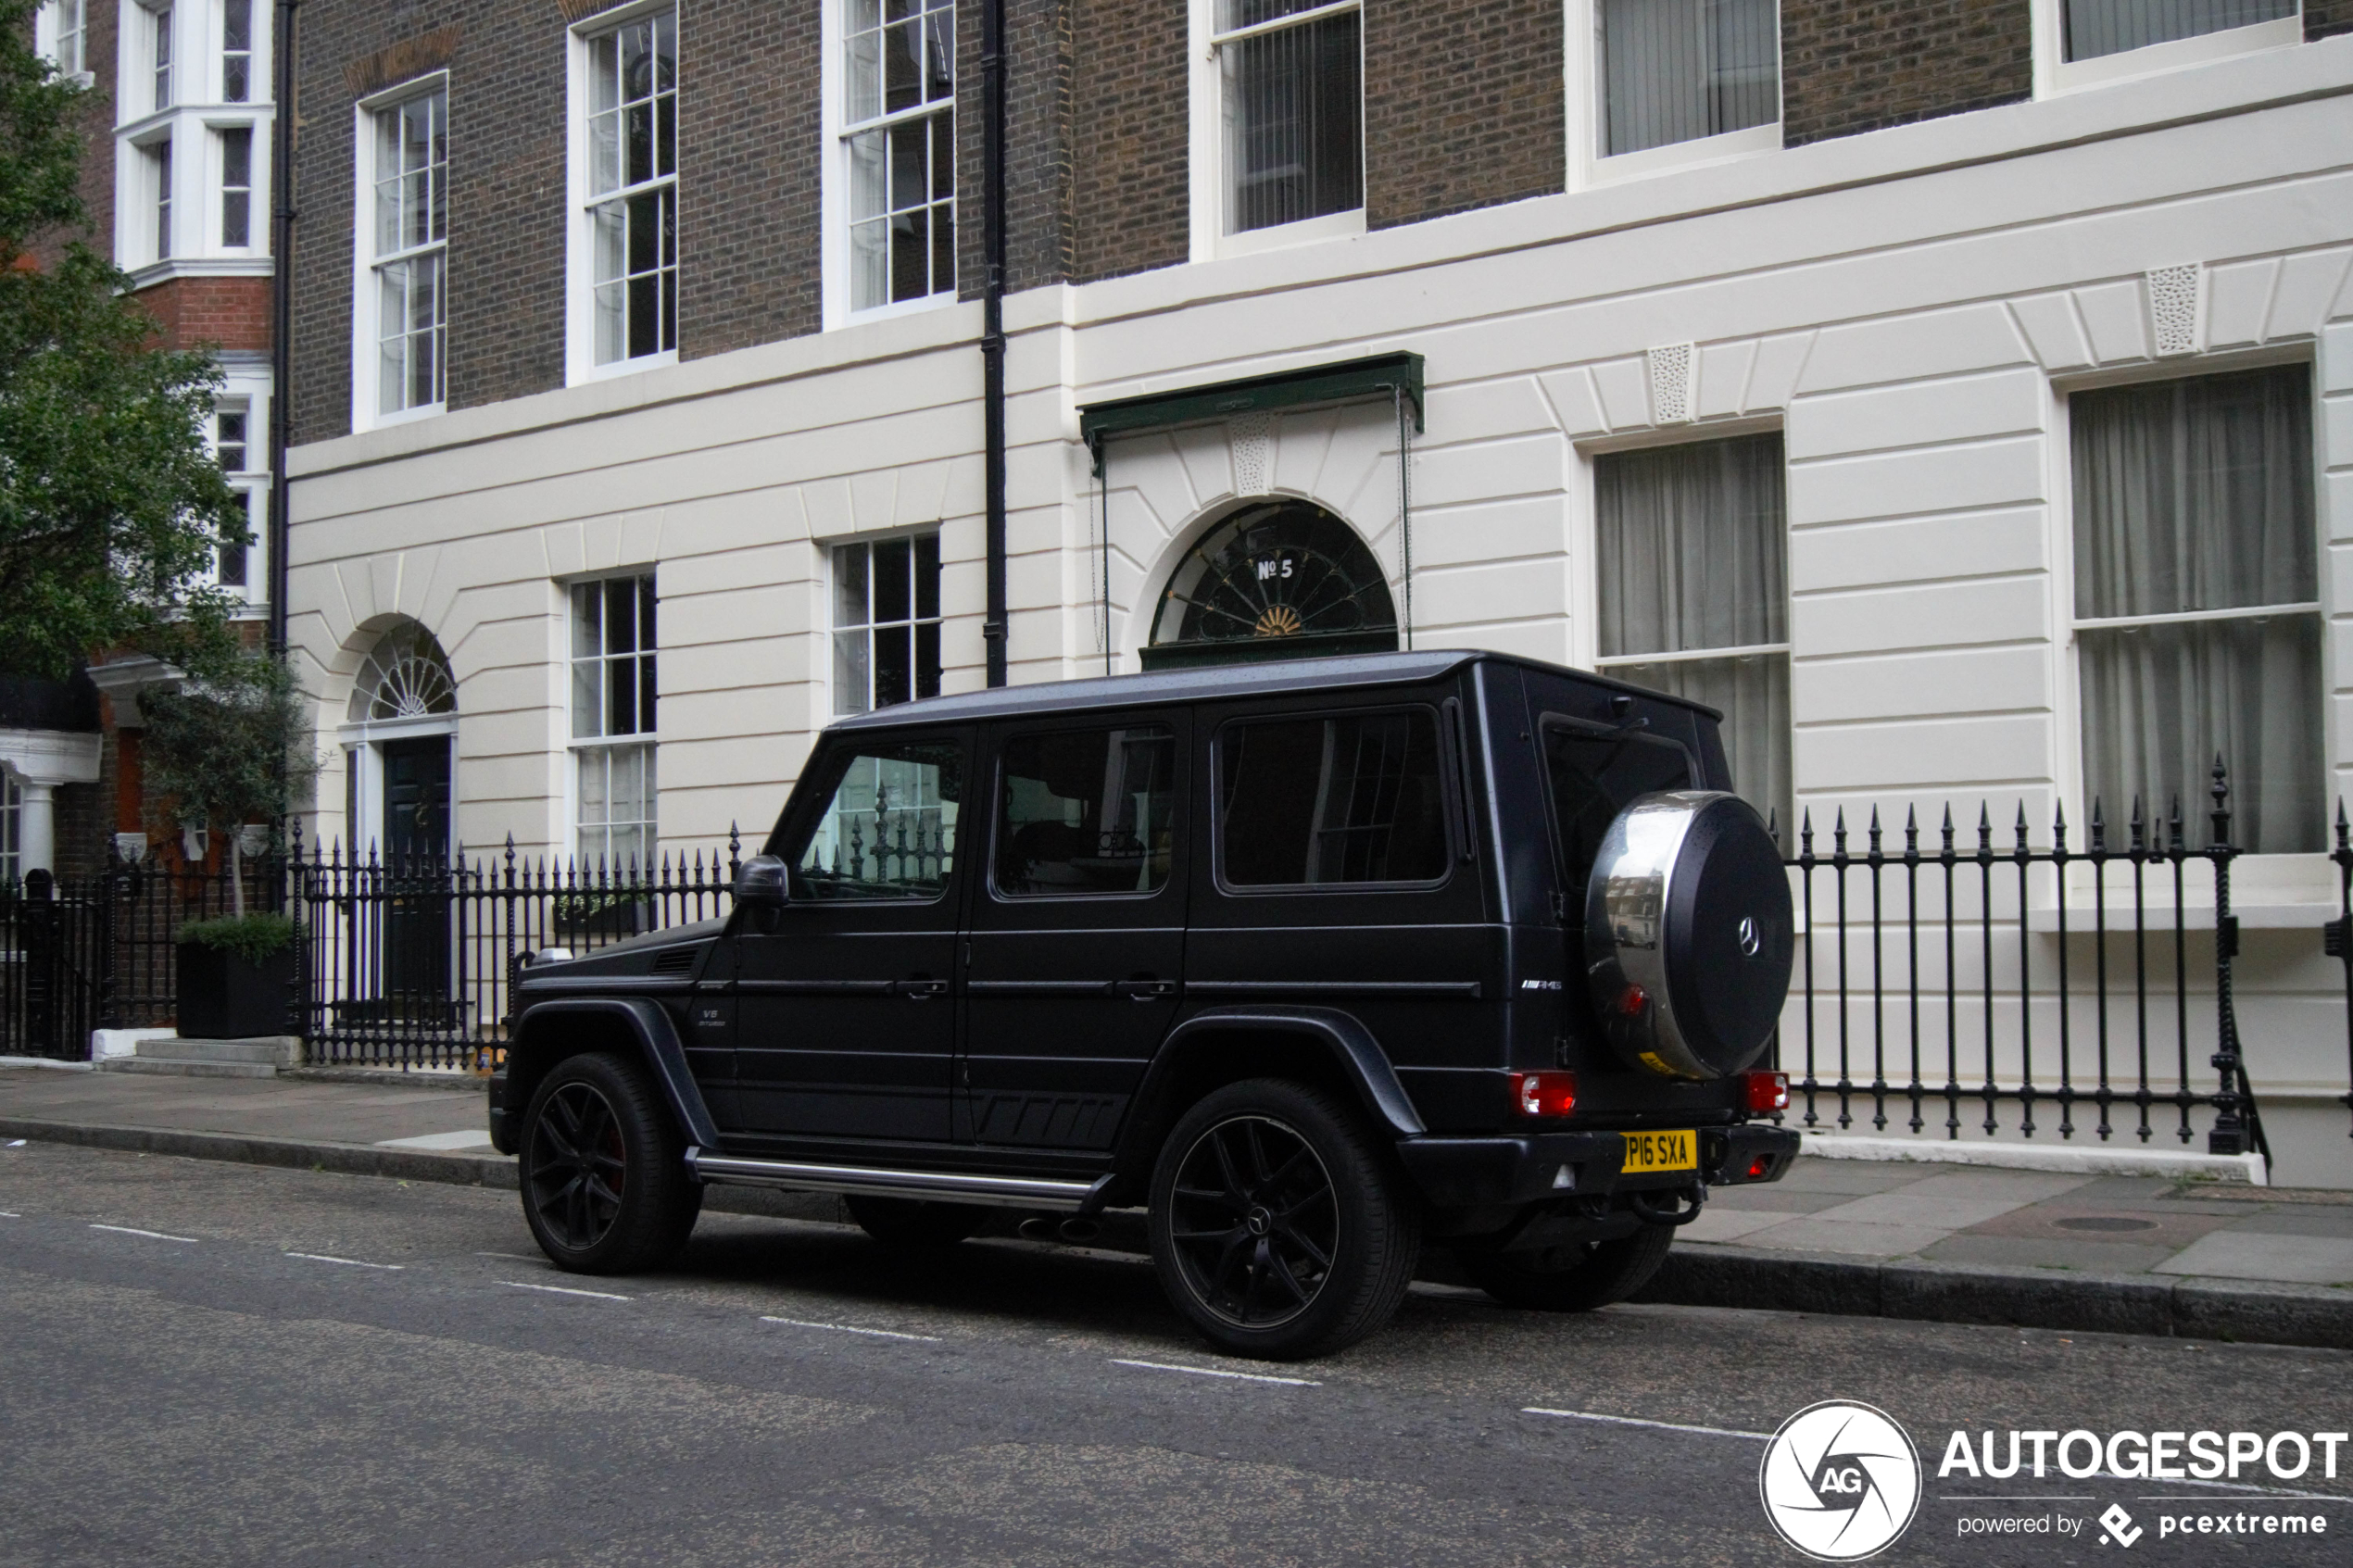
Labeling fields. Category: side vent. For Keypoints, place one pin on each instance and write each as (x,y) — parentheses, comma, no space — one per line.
(674,961)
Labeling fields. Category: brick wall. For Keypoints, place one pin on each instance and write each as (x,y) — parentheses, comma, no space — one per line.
(507,107)
(1463,105)
(97,127)
(749,131)
(1850,66)
(224,312)
(2326,19)
(1039,66)
(1130,159)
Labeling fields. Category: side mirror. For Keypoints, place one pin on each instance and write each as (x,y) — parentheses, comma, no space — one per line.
(763,881)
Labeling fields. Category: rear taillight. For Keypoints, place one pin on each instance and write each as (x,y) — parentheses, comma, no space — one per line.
(1762,1092)
(1545,1094)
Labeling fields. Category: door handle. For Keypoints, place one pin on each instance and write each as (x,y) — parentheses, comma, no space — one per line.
(1144,989)
(920,989)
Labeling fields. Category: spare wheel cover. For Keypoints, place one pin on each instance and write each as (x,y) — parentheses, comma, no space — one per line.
(1688,934)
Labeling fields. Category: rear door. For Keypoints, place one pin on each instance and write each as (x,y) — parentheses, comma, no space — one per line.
(1078,937)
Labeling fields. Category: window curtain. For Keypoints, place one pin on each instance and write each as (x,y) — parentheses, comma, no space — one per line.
(1694,554)
(1294,116)
(2196,496)
(1677,70)
(2111,27)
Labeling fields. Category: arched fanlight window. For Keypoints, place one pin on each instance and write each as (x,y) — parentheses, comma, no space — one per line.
(407,676)
(1277,580)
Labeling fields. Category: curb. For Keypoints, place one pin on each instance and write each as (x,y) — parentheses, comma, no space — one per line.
(2164,1306)
(343,1159)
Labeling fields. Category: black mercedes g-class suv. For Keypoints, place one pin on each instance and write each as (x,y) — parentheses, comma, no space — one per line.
(1312,960)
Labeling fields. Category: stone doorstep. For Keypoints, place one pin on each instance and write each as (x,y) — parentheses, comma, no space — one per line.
(258,1057)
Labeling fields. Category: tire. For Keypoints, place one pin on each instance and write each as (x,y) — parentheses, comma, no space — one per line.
(915,1224)
(602,1168)
(1575,1278)
(1276,1227)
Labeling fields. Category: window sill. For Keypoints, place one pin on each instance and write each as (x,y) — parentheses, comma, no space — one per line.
(1281,236)
(1698,152)
(2060,77)
(401,417)
(859,318)
(620,368)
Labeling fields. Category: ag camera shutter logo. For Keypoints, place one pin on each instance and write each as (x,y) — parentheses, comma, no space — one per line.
(1840,1481)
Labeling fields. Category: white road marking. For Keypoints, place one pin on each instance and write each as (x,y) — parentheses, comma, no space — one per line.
(9,1214)
(1660,1425)
(346,1262)
(560,1290)
(1219,1371)
(852,1328)
(515,1257)
(126,1229)
(16,1143)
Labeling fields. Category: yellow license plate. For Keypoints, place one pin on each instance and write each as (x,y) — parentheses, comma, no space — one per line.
(1661,1151)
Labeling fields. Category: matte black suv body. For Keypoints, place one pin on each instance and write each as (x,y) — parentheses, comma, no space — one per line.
(1022,943)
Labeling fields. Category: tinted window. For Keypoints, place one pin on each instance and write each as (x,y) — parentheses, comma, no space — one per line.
(1086,811)
(1309,801)
(889,826)
(1595,774)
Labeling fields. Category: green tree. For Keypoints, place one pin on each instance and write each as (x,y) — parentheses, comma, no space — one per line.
(110,505)
(228,750)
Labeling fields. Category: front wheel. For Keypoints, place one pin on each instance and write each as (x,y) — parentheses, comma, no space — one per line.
(1276,1228)
(603,1169)
(1576,1278)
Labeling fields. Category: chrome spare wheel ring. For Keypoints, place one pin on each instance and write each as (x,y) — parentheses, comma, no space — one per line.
(1254,1221)
(579,1166)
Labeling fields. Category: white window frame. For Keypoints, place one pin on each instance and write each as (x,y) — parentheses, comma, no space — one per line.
(580,302)
(216,186)
(216,47)
(572,747)
(836,301)
(159,174)
(2068,667)
(2056,74)
(1587,99)
(366,411)
(1208,173)
(48,39)
(247,393)
(831,703)
(161,61)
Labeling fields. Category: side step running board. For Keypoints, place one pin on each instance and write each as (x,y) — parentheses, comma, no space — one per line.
(1014,1192)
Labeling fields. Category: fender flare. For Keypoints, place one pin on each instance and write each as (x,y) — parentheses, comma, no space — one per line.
(1343,1037)
(656,1040)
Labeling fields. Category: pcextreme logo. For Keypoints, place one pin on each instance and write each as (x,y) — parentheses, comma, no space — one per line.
(1840,1481)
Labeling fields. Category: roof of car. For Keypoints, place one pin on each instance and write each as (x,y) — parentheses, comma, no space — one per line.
(1338,673)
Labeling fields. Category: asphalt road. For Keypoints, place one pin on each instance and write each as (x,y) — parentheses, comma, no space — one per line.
(299,1368)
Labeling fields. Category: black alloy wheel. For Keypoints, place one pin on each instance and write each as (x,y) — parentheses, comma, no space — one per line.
(581,1165)
(603,1170)
(1255,1221)
(1276,1226)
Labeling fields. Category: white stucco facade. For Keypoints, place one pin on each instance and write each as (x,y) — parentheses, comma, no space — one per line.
(1910,308)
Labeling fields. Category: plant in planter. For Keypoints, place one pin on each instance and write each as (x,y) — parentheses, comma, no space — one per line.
(237,976)
(223,755)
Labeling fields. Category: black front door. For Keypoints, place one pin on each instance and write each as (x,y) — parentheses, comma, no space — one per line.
(1077,939)
(416,863)
(846,1016)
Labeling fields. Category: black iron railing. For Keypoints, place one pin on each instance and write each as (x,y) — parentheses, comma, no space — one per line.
(1944,985)
(411,961)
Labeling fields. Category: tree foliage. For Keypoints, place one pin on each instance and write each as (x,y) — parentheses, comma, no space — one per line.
(110,504)
(229,750)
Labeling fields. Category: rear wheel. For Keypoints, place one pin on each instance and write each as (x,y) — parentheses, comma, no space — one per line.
(1275,1227)
(602,1168)
(1575,1278)
(916,1223)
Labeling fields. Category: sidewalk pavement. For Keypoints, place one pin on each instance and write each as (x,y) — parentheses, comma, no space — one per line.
(2136,1254)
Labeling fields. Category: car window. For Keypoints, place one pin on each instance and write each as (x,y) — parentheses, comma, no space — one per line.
(888,829)
(1595,773)
(1086,811)
(1340,800)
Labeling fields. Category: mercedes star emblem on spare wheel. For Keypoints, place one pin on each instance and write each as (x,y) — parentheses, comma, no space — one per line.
(1748,935)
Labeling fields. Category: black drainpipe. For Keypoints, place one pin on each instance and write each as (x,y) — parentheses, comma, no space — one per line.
(993,329)
(281,221)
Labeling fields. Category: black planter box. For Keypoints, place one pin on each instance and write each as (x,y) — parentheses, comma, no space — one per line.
(223,997)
